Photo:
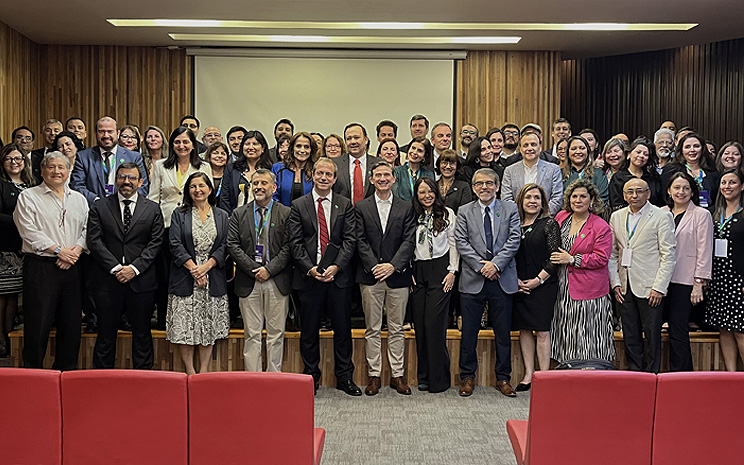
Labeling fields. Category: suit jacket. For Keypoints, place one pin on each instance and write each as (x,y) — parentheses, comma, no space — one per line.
(303,239)
(284,182)
(241,244)
(470,238)
(88,177)
(653,256)
(10,240)
(109,245)
(182,249)
(343,176)
(590,280)
(166,190)
(710,181)
(546,155)
(459,194)
(36,157)
(549,177)
(395,245)
(694,246)
(233,183)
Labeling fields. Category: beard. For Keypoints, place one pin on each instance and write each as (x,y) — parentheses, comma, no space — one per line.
(664,153)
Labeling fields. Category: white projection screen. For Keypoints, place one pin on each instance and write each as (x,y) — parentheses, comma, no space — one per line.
(321,94)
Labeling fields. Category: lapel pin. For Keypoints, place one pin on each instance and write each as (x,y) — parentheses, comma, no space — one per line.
(121,160)
(498,214)
(583,236)
(272,225)
(335,206)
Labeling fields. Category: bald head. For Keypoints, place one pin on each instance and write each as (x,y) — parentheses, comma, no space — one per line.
(636,193)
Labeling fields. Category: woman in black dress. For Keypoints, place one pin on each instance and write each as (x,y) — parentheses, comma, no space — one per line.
(538,284)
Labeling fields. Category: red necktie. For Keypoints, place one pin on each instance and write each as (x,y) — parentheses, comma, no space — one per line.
(322,226)
(358,182)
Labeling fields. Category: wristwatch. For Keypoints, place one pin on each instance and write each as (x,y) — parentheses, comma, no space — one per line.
(542,281)
(57,250)
(572,260)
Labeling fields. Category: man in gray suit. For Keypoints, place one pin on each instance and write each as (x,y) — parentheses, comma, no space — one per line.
(258,242)
(354,168)
(641,266)
(487,236)
(533,170)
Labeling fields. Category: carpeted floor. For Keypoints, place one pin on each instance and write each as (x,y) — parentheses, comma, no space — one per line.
(425,429)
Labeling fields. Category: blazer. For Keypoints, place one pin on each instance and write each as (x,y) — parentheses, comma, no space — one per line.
(110,246)
(10,240)
(182,249)
(402,186)
(88,178)
(303,239)
(590,280)
(710,181)
(470,238)
(617,183)
(36,157)
(459,194)
(233,183)
(284,182)
(165,189)
(549,177)
(343,176)
(653,257)
(546,155)
(694,246)
(241,244)
(395,245)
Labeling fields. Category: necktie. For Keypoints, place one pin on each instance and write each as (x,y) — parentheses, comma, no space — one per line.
(488,226)
(107,164)
(322,227)
(262,232)
(127,215)
(358,182)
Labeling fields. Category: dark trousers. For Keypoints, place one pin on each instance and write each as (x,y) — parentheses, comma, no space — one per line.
(50,295)
(88,266)
(500,311)
(162,272)
(678,306)
(430,307)
(640,318)
(111,304)
(337,301)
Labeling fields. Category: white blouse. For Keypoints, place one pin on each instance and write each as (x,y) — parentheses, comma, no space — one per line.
(441,243)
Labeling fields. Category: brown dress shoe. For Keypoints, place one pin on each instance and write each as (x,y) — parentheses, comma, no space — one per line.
(373,386)
(466,387)
(400,385)
(506,388)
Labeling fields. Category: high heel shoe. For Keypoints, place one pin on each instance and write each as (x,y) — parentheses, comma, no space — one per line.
(522,387)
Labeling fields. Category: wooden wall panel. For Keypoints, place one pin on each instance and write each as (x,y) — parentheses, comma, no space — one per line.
(19,82)
(495,87)
(700,86)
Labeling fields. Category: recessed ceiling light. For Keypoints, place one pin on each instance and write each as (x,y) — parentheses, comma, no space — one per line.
(474,40)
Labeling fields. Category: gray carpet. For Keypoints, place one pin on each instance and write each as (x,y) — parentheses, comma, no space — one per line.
(421,429)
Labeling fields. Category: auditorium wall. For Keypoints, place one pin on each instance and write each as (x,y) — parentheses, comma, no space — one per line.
(700,86)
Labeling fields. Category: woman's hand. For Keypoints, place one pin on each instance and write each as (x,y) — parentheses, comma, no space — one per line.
(448,281)
(560,258)
(697,293)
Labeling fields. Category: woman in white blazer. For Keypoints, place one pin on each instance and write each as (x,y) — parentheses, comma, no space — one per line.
(166,188)
(694,233)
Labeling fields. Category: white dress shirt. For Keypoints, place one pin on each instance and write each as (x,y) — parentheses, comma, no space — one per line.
(43,220)
(634,218)
(443,242)
(383,209)
(327,210)
(530,174)
(112,172)
(352,166)
(131,210)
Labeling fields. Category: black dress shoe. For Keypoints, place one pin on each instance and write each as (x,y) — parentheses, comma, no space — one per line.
(522,387)
(316,385)
(349,388)
(91,328)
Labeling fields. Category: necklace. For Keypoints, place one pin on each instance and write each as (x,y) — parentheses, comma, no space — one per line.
(444,186)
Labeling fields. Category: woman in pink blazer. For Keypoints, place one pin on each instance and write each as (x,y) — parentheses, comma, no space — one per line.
(694,233)
(582,321)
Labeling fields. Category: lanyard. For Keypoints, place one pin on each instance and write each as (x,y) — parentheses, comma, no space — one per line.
(723,222)
(699,177)
(412,178)
(259,230)
(627,227)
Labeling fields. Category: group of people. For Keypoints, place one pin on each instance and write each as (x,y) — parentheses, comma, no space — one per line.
(546,242)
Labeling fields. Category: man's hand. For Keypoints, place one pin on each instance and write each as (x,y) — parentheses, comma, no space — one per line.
(63,265)
(69,255)
(262,274)
(383,271)
(619,296)
(654,298)
(489,270)
(125,274)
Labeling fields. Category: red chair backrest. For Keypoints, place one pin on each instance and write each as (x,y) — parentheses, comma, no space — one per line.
(699,418)
(243,417)
(591,417)
(30,416)
(125,417)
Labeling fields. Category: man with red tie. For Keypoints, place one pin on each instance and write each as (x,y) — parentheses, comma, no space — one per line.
(354,167)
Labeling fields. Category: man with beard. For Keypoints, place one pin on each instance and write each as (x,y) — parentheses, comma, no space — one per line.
(468,133)
(511,138)
(664,143)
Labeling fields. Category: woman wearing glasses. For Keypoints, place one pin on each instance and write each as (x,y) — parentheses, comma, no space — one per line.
(129,137)
(333,146)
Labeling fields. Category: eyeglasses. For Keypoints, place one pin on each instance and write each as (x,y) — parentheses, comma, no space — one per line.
(448,162)
(25,138)
(127,137)
(484,183)
(213,134)
(632,192)
(127,177)
(17,160)
(472,133)
(332,147)
(511,133)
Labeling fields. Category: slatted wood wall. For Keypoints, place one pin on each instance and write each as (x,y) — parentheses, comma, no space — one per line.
(19,82)
(495,87)
(700,86)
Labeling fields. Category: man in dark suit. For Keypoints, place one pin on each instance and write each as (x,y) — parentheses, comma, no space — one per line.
(51,128)
(125,233)
(487,235)
(354,167)
(322,237)
(282,128)
(95,168)
(259,244)
(386,228)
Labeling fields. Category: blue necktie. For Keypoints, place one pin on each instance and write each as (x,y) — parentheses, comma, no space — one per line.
(488,226)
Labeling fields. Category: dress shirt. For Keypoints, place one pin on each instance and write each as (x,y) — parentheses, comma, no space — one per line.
(327,209)
(131,210)
(634,218)
(112,172)
(383,209)
(352,166)
(493,226)
(257,215)
(44,221)
(530,174)
(442,243)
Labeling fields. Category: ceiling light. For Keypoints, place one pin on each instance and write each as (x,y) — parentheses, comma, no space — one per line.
(474,40)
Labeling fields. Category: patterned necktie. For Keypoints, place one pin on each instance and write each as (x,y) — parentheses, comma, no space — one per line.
(322,226)
(127,215)
(358,182)
(263,232)
(488,226)
(107,164)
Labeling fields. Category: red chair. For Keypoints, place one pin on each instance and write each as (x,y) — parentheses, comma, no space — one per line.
(30,416)
(586,417)
(699,418)
(125,417)
(261,418)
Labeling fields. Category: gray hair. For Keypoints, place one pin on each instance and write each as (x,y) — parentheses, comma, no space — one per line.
(488,172)
(661,131)
(52,155)
(263,171)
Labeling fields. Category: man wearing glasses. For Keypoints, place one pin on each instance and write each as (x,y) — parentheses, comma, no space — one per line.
(125,233)
(468,133)
(511,138)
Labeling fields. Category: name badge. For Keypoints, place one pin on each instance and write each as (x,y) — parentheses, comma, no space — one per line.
(259,253)
(704,199)
(109,188)
(721,248)
(626,258)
